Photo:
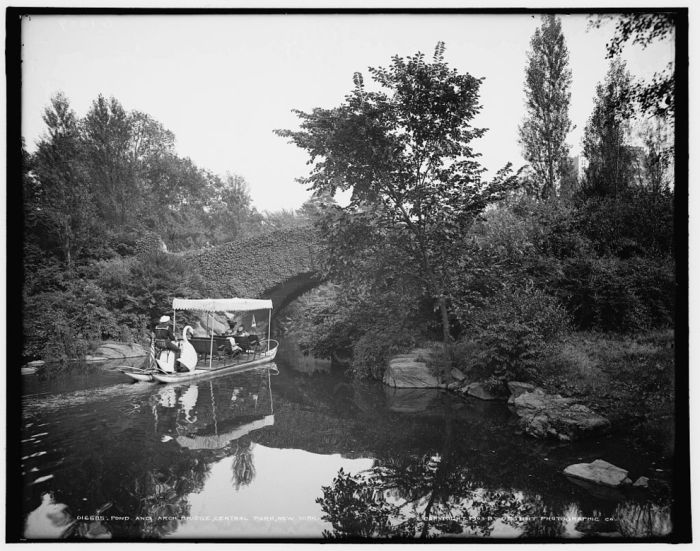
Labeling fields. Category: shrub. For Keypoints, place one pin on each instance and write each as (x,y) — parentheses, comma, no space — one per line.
(60,324)
(638,223)
(140,289)
(372,351)
(611,294)
(511,332)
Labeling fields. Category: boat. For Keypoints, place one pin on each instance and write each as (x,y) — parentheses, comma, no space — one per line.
(145,372)
(138,374)
(198,354)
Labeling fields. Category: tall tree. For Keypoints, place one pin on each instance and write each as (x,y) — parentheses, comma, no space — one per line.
(546,125)
(657,164)
(108,151)
(606,145)
(231,208)
(58,197)
(405,153)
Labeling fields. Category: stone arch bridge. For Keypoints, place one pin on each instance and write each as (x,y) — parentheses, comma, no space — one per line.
(281,265)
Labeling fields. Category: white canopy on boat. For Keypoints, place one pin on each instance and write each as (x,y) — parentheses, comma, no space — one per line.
(222,304)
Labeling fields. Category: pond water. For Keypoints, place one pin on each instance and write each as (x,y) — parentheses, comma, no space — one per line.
(297,450)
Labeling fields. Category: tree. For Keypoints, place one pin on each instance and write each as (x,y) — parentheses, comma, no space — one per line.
(657,164)
(149,138)
(405,153)
(605,141)
(58,200)
(656,97)
(547,82)
(107,146)
(231,208)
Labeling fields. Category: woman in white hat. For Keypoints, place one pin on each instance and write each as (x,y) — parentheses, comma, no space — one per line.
(164,335)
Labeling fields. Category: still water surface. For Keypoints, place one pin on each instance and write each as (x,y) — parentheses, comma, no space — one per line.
(297,450)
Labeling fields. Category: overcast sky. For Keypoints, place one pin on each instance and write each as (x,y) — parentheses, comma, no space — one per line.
(223,83)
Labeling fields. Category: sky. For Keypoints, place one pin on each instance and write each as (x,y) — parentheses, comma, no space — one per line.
(223,83)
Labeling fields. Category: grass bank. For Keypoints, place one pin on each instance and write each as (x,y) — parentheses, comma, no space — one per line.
(627,378)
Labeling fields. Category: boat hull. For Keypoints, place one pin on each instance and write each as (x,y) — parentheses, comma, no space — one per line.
(141,376)
(267,357)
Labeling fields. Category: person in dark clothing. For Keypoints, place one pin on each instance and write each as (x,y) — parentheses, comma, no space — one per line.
(231,328)
(165,340)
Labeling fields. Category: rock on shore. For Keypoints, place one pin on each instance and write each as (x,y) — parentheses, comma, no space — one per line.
(551,416)
(117,350)
(516,388)
(411,370)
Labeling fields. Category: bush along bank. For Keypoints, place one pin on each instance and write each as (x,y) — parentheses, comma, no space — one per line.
(584,383)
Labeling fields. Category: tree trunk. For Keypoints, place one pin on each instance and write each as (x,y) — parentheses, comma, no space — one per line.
(446,337)
(67,244)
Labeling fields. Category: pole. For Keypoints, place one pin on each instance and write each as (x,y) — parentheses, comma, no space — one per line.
(269,320)
(269,387)
(211,344)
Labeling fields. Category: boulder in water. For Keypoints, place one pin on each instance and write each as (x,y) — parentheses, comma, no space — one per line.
(641,482)
(32,367)
(551,416)
(598,472)
(411,371)
(479,390)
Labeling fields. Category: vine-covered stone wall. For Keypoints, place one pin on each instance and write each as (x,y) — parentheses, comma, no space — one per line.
(257,265)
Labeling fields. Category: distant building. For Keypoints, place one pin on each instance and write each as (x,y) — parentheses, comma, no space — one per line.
(579,165)
(571,177)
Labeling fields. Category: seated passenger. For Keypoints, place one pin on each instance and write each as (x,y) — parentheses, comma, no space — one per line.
(233,348)
(245,340)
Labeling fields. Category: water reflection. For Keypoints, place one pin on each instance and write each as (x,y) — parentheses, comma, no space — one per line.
(299,454)
(242,467)
(432,496)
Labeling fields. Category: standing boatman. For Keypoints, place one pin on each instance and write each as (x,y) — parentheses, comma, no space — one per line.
(165,340)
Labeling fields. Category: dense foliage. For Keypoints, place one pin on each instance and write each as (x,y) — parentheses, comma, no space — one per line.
(655,96)
(521,274)
(105,197)
(405,152)
(426,248)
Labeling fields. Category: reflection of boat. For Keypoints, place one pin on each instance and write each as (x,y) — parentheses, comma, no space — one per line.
(208,416)
(218,441)
(198,354)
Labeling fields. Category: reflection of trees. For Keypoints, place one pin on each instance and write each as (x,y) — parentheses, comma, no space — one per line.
(428,497)
(242,467)
(166,491)
(431,496)
(643,520)
(538,522)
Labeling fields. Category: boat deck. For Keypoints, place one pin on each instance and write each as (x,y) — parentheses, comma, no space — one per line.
(219,362)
